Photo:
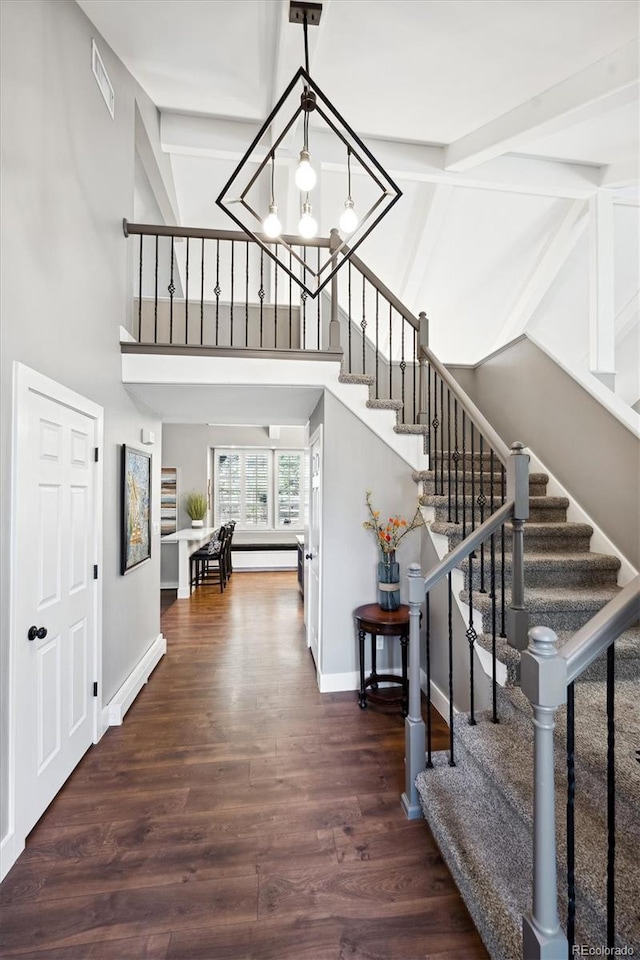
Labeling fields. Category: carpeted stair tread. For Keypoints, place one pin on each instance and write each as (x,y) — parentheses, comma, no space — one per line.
(540,599)
(502,753)
(544,569)
(421,476)
(439,500)
(468,826)
(365,379)
(417,428)
(540,537)
(378,404)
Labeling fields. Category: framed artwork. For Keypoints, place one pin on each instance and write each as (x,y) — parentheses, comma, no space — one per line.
(168,500)
(136,508)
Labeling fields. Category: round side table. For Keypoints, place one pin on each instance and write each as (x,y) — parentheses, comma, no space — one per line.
(371,618)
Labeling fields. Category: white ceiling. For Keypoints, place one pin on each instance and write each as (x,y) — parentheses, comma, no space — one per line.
(498,118)
(222,403)
(427,71)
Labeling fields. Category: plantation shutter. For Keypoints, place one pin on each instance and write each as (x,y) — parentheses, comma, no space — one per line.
(256,490)
(289,469)
(229,487)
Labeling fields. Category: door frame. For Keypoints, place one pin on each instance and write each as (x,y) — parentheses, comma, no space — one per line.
(317,435)
(27,381)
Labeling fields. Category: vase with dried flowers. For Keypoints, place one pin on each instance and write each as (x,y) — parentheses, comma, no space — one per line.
(388,535)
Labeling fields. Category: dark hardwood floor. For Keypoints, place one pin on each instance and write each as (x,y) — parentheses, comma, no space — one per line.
(237,813)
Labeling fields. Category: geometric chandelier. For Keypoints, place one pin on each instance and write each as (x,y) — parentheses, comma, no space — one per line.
(250,198)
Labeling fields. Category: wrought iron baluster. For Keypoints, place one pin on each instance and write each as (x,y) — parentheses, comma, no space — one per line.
(246,298)
(275,300)
(403,367)
(448,455)
(303,297)
(290,300)
(428,671)
(349,315)
(464,474)
(441,438)
(217,291)
(363,326)
(415,366)
(390,352)
(611,799)
(502,561)
(318,299)
(233,277)
(452,761)
(172,290)
(202,294)
(494,685)
(435,424)
(155,299)
(481,503)
(140,293)
(261,293)
(377,348)
(456,458)
(571,796)
(473,480)
(186,296)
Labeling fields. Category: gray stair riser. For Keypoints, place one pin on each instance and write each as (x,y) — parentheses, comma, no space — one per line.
(429,486)
(539,512)
(559,574)
(563,540)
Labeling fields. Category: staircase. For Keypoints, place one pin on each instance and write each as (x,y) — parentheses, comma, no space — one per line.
(480,810)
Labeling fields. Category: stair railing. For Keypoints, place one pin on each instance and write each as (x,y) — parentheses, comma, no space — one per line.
(548,675)
(513,509)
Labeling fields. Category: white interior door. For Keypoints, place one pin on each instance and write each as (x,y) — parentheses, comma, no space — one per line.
(313,593)
(55,623)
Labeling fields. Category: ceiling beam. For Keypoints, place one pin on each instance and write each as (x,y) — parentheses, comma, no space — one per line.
(431,219)
(593,91)
(228,140)
(550,262)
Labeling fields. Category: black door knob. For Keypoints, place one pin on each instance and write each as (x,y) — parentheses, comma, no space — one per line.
(39,632)
(308,556)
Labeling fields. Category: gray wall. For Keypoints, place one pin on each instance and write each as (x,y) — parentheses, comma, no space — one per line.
(526,396)
(186,446)
(356,460)
(67,181)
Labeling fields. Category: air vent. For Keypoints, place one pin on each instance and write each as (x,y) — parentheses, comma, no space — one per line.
(102,79)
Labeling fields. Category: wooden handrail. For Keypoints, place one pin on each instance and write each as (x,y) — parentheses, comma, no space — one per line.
(202,233)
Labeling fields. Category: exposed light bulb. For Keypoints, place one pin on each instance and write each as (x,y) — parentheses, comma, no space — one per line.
(308,226)
(305,174)
(348,218)
(271,225)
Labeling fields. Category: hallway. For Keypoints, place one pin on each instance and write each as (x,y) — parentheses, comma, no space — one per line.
(237,814)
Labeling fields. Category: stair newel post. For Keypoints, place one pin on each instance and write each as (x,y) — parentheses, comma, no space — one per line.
(414,732)
(334,323)
(518,491)
(544,682)
(423,343)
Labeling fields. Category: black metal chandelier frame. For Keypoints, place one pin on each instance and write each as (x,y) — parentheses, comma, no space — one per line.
(390,193)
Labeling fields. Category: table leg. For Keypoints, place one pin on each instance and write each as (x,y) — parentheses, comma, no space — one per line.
(374,643)
(363,695)
(404,642)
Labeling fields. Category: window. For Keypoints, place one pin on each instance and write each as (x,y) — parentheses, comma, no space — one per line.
(260,489)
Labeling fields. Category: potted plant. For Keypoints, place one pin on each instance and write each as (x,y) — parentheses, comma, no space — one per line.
(196,507)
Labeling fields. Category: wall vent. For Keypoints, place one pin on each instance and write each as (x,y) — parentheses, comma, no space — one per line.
(102,79)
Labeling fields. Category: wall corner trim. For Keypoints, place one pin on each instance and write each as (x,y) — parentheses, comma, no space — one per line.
(124,697)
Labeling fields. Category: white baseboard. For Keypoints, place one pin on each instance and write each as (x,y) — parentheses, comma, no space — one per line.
(120,703)
(171,585)
(439,699)
(10,850)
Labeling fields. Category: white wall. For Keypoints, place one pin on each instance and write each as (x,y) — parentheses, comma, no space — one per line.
(356,460)
(67,181)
